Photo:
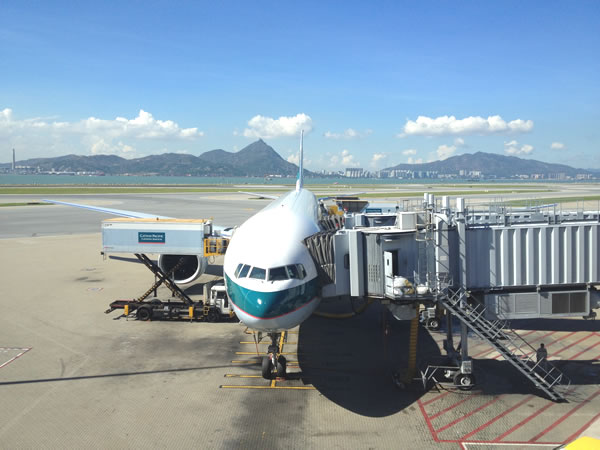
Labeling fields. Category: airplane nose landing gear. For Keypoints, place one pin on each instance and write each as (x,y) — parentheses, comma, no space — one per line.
(274,363)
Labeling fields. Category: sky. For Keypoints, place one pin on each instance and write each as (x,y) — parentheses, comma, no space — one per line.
(373,84)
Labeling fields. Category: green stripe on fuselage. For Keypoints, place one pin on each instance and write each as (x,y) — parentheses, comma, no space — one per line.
(272,304)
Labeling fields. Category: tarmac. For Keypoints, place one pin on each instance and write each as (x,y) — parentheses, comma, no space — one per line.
(72,376)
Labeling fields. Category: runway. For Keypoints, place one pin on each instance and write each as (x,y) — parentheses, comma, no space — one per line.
(71,376)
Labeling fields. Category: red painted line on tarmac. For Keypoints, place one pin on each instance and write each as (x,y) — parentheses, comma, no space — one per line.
(437,397)
(548,345)
(25,350)
(429,425)
(488,423)
(438,414)
(578,432)
(564,417)
(460,419)
(523,422)
(583,351)
(571,345)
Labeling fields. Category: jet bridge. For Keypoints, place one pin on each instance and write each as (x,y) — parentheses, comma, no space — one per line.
(482,266)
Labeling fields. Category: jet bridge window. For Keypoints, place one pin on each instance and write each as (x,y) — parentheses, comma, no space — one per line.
(243,270)
(278,273)
(258,273)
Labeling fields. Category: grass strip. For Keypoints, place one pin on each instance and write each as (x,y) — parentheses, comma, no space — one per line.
(551,200)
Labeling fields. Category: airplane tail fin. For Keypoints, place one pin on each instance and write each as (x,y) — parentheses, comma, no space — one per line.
(300,181)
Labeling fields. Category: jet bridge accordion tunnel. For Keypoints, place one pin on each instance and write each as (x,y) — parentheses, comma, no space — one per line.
(519,263)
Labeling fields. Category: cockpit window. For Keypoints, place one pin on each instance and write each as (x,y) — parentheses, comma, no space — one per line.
(301,270)
(292,272)
(237,270)
(296,271)
(244,271)
(258,273)
(277,273)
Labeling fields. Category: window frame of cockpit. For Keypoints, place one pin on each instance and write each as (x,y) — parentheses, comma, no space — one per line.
(244,270)
(285,274)
(292,272)
(263,278)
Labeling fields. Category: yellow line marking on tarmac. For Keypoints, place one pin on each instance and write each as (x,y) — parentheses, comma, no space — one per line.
(237,361)
(254,353)
(235,375)
(298,388)
(247,331)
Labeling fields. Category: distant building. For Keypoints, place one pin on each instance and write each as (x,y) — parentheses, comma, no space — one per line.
(354,172)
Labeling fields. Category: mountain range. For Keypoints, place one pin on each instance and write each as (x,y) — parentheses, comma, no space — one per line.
(259,159)
(256,159)
(492,164)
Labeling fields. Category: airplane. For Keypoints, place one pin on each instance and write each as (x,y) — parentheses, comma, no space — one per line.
(270,277)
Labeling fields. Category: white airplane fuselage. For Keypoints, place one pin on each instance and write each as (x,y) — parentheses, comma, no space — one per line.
(270,277)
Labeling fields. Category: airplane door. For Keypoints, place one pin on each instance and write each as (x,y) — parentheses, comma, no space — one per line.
(388,270)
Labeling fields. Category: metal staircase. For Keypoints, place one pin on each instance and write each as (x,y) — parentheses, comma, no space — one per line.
(511,346)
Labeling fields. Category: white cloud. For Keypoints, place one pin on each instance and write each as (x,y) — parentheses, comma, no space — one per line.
(450,125)
(101,147)
(348,159)
(144,126)
(514,148)
(294,158)
(410,151)
(342,160)
(459,142)
(91,135)
(347,134)
(412,160)
(445,151)
(557,146)
(267,127)
(377,158)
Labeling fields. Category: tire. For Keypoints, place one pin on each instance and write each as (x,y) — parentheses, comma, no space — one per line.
(144,313)
(281,366)
(433,323)
(464,381)
(267,368)
(213,316)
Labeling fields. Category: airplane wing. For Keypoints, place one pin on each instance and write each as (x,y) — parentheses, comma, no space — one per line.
(220,230)
(115,212)
(255,194)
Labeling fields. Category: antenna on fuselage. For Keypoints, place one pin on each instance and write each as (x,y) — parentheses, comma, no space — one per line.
(300,181)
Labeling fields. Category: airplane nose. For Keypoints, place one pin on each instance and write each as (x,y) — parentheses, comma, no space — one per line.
(268,305)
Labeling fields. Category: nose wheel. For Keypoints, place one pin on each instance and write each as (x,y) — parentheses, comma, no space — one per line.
(274,364)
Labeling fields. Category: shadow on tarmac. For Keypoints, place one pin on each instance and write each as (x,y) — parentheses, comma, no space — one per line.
(566,324)
(111,375)
(351,361)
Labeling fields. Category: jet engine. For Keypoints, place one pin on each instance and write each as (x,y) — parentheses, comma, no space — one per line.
(191,268)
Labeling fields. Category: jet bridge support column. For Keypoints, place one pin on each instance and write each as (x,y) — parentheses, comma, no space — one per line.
(462,272)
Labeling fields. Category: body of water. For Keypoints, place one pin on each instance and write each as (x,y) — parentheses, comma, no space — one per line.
(120,180)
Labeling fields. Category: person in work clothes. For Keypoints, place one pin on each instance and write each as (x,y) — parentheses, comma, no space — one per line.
(542,357)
